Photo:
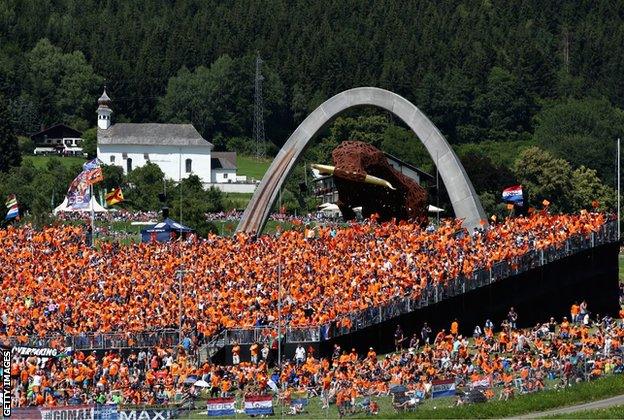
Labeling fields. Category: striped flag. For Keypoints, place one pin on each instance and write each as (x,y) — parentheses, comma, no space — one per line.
(258,405)
(443,388)
(114,197)
(513,195)
(13,207)
(221,407)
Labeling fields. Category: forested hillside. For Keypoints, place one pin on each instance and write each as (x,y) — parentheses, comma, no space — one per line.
(534,72)
(459,60)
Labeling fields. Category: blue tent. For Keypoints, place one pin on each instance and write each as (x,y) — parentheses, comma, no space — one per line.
(164,231)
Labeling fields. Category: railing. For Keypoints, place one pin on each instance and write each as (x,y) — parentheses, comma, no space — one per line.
(431,294)
(101,341)
(358,320)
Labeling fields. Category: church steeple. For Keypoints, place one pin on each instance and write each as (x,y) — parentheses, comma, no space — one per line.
(104,111)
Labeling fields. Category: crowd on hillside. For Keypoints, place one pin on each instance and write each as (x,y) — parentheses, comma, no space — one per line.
(53,284)
(505,359)
(122,215)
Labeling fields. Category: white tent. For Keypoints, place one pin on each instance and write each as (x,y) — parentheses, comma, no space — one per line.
(434,209)
(96,207)
(330,209)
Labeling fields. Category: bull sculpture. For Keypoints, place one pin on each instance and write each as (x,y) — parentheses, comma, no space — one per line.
(363,177)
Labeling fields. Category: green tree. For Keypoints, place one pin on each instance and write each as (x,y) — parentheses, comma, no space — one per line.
(544,176)
(145,183)
(26,145)
(9,147)
(219,100)
(195,202)
(583,131)
(63,85)
(89,142)
(502,110)
(484,174)
(587,189)
(113,178)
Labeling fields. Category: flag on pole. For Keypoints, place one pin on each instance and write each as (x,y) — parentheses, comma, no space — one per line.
(513,195)
(93,171)
(12,206)
(79,193)
(114,197)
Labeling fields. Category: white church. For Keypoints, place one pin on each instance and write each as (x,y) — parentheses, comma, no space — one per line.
(178,149)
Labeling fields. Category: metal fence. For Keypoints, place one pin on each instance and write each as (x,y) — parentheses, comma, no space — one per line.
(102,341)
(359,320)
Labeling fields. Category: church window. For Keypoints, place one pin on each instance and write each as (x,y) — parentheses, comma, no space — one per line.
(188,166)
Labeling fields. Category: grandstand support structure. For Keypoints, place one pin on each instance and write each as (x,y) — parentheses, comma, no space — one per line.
(465,201)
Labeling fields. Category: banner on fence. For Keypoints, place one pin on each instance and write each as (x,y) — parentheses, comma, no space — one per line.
(74,412)
(484,382)
(146,414)
(43,353)
(27,413)
(443,388)
(258,405)
(221,406)
(106,412)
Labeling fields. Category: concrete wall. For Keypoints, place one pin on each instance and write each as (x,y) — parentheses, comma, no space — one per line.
(166,157)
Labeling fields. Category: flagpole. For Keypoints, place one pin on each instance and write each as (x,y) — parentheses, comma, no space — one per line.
(279,312)
(92,217)
(437,188)
(618,188)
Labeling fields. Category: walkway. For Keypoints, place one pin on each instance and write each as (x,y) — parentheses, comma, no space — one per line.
(594,405)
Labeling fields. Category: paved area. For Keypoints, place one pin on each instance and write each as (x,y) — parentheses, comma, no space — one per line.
(594,405)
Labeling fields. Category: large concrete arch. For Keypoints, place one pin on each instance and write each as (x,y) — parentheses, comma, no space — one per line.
(466,203)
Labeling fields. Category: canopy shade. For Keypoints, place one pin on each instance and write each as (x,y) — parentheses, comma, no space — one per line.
(164,231)
(96,207)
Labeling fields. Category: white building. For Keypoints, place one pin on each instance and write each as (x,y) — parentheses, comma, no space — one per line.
(223,166)
(178,149)
(59,139)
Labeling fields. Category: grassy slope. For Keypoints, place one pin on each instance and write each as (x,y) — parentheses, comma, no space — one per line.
(41,161)
(541,401)
(252,167)
(616,412)
(444,407)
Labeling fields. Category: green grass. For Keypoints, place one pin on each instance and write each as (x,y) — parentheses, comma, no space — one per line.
(236,201)
(615,412)
(621,265)
(40,162)
(252,167)
(444,407)
(541,401)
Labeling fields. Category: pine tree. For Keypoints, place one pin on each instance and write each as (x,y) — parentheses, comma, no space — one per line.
(9,148)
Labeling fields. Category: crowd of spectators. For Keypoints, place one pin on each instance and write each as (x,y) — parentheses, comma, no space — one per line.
(502,361)
(52,283)
(122,215)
